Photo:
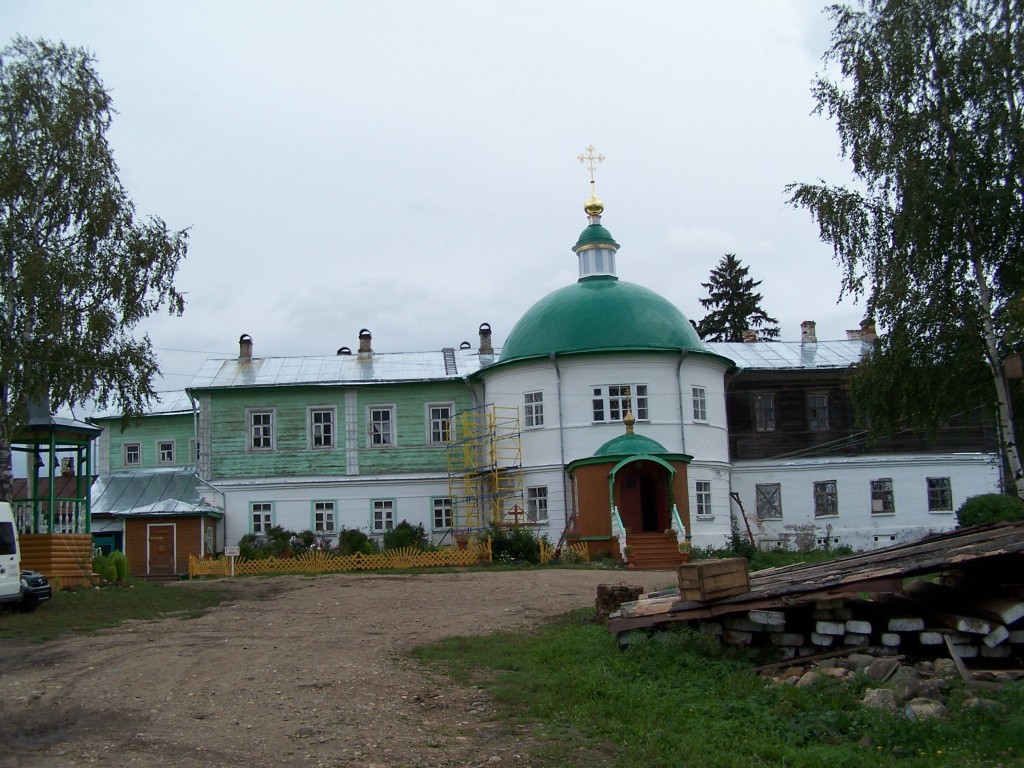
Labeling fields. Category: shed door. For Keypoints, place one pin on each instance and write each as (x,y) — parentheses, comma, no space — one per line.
(161,550)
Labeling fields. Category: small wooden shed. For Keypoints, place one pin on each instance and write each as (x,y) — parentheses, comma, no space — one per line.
(160,518)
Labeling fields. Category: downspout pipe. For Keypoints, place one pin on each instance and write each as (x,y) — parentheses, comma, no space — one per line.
(682,413)
(568,504)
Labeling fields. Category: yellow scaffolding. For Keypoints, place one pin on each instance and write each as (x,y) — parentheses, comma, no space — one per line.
(485,467)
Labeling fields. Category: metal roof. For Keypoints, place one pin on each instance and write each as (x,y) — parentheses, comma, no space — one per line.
(338,369)
(789,355)
(149,491)
(163,404)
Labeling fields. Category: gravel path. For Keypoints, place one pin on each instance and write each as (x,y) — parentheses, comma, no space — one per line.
(291,672)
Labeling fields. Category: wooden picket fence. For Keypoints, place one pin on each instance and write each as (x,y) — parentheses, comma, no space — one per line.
(325,562)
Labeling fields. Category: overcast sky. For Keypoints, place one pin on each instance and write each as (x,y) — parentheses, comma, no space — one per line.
(410,167)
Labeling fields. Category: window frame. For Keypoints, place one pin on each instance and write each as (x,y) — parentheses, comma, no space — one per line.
(537,504)
(312,427)
(446,506)
(328,508)
(818,415)
(533,409)
(826,495)
(193,449)
(763,418)
(270,426)
(610,402)
(128,447)
(882,495)
(945,491)
(392,421)
(387,509)
(160,445)
(266,510)
(443,435)
(765,508)
(699,399)
(702,499)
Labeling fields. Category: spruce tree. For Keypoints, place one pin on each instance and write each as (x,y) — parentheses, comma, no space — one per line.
(735,305)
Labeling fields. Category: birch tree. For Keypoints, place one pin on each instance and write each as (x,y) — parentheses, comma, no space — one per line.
(928,108)
(78,271)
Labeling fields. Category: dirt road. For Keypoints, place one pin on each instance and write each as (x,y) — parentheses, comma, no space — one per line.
(291,672)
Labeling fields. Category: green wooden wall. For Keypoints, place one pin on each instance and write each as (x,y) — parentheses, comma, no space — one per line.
(293,456)
(147,432)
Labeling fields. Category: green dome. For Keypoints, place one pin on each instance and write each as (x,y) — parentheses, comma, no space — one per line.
(595,234)
(600,314)
(630,445)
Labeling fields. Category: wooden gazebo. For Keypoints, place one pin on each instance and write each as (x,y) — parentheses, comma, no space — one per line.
(52,509)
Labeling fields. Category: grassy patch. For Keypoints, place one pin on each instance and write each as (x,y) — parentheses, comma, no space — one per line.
(673,699)
(87,610)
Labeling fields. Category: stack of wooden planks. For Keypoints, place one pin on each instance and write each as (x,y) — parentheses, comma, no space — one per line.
(960,593)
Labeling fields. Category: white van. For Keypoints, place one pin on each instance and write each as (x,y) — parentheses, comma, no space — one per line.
(20,589)
(10,557)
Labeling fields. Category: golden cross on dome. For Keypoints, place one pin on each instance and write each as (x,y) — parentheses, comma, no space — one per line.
(590,157)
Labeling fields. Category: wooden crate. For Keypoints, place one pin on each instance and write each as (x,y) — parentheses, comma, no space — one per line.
(714,579)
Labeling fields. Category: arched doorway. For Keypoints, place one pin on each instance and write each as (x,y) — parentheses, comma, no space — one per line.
(642,489)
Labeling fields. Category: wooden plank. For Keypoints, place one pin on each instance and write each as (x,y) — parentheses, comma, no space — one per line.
(965,673)
(778,587)
(811,658)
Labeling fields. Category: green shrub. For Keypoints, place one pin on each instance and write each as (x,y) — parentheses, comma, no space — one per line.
(120,562)
(352,540)
(109,572)
(406,535)
(511,544)
(990,508)
(99,564)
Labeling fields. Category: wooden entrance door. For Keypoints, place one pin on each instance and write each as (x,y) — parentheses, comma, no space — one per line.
(161,550)
(642,490)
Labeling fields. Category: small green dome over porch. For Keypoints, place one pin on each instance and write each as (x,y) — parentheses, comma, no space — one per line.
(630,445)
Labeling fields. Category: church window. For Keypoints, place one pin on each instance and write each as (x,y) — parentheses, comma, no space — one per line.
(700,404)
(533,409)
(611,403)
(703,498)
(537,504)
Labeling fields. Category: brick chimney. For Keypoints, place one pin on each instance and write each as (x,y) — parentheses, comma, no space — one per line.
(749,336)
(245,348)
(485,339)
(807,334)
(365,348)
